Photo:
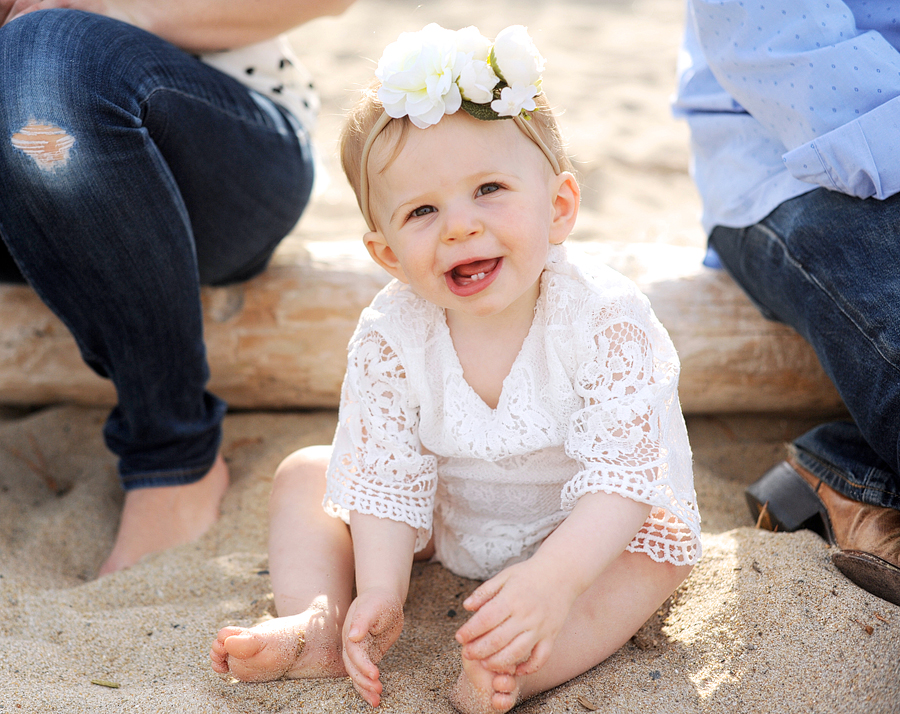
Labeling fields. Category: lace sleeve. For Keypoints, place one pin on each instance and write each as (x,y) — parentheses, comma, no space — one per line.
(630,436)
(376,464)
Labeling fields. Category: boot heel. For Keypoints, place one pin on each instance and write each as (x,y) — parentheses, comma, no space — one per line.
(791,503)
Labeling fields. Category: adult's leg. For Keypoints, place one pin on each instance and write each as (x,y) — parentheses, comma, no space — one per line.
(827,264)
(131,171)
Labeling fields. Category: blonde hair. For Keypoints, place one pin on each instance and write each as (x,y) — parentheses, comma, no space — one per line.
(363,116)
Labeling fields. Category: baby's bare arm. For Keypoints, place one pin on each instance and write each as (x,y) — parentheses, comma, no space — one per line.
(520,611)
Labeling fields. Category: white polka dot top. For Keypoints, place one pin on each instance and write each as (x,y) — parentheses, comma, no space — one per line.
(271,68)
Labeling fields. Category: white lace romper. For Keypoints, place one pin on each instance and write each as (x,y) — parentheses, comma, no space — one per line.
(591,404)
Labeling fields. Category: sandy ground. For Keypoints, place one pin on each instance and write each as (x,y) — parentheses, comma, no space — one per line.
(765,622)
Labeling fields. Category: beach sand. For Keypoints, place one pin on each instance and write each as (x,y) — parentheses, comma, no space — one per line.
(765,623)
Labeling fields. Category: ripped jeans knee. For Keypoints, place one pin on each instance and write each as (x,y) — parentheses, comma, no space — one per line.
(45,143)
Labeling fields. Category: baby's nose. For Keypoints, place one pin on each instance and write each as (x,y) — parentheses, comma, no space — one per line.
(459,224)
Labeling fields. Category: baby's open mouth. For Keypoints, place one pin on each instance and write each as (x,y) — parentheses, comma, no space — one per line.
(469,279)
(470,273)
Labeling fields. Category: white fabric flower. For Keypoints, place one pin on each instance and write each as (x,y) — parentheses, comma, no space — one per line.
(471,42)
(516,59)
(514,99)
(418,75)
(476,78)
(477,81)
(427,74)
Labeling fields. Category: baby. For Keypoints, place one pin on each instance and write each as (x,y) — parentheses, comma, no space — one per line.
(508,412)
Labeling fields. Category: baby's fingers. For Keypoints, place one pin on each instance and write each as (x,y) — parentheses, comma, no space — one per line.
(371,697)
(505,658)
(358,664)
(356,653)
(362,673)
(490,615)
(488,644)
(483,593)
(539,656)
(357,658)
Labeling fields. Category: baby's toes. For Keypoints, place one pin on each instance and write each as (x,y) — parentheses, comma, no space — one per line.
(218,657)
(224,634)
(506,692)
(241,644)
(504,684)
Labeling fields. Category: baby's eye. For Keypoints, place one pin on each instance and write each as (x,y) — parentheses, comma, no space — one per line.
(487,188)
(421,211)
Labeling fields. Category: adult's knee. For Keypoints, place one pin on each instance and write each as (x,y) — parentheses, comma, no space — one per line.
(61,70)
(45,85)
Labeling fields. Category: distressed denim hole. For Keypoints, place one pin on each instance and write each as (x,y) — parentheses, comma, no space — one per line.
(47,144)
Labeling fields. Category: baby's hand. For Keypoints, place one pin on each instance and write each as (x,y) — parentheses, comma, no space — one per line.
(373,624)
(519,613)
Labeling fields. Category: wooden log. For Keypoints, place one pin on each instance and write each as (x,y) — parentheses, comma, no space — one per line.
(279,341)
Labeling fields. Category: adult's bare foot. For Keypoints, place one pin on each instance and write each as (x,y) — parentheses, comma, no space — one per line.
(296,647)
(480,691)
(155,519)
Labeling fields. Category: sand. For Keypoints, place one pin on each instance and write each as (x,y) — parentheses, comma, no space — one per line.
(765,622)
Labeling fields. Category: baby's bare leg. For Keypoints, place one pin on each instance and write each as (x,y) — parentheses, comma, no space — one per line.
(311,566)
(603,619)
(155,519)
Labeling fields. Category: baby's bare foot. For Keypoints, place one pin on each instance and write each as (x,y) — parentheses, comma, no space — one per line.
(155,519)
(296,647)
(480,691)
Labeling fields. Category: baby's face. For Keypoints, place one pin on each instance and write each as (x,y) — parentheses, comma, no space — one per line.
(466,211)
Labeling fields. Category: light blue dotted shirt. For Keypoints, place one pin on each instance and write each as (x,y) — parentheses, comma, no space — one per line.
(785,96)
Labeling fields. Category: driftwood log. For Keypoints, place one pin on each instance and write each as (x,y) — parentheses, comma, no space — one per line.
(279,341)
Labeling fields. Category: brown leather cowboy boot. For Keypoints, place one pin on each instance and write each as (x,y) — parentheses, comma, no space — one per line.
(866,538)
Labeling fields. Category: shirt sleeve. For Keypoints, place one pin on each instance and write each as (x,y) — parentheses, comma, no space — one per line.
(815,76)
(630,436)
(377,467)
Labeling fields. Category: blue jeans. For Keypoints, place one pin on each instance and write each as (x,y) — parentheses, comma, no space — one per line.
(130,173)
(828,265)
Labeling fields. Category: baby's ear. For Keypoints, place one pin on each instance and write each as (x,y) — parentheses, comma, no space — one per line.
(382,254)
(565,207)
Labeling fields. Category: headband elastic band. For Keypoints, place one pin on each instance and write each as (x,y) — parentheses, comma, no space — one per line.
(523,124)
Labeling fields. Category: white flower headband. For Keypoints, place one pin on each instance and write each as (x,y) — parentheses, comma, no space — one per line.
(427,74)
